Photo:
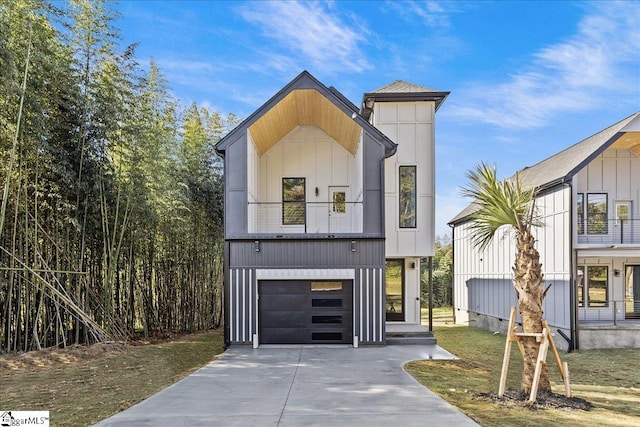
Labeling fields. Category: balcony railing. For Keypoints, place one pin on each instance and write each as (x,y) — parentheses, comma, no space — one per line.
(305,217)
(610,232)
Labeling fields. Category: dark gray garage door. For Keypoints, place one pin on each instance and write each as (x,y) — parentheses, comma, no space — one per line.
(306,312)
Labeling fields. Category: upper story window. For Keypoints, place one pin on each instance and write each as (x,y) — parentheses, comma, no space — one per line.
(580,211)
(293,201)
(623,211)
(407,196)
(597,213)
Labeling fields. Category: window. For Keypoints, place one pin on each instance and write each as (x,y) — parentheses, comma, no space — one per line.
(597,213)
(394,289)
(326,286)
(580,280)
(339,202)
(407,197)
(598,286)
(623,212)
(593,286)
(293,201)
(580,209)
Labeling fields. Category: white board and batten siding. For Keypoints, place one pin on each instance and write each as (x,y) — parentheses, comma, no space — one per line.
(483,279)
(411,126)
(305,152)
(615,172)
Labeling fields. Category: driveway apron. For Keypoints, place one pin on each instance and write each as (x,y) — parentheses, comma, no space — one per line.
(300,386)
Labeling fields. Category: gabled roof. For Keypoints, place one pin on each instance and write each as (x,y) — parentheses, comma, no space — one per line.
(400,90)
(560,168)
(306,101)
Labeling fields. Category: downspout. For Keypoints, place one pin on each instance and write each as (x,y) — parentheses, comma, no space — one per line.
(453,271)
(573,284)
(431,294)
(225,295)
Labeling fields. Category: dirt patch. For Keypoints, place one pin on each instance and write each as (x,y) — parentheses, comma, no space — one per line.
(545,400)
(49,357)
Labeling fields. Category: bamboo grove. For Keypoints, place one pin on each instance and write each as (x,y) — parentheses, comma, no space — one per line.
(111,197)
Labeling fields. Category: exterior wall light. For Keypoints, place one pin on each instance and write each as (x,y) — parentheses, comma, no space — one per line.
(256,245)
(353,246)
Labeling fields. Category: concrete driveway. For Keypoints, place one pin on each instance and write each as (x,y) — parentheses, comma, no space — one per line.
(300,386)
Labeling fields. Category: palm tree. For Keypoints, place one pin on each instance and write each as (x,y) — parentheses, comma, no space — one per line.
(509,203)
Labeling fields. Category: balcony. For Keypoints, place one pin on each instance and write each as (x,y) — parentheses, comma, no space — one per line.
(305,217)
(610,232)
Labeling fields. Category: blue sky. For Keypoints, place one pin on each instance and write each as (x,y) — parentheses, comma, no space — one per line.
(527,79)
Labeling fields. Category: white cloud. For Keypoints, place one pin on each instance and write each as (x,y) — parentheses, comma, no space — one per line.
(601,60)
(312,32)
(432,13)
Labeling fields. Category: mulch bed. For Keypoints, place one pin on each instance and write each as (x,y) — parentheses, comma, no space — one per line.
(545,400)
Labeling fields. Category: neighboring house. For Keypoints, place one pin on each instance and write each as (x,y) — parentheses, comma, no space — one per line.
(305,206)
(589,247)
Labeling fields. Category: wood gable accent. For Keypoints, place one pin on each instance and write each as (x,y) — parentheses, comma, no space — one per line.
(631,136)
(305,107)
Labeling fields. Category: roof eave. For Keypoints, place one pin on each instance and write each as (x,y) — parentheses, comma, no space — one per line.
(437,97)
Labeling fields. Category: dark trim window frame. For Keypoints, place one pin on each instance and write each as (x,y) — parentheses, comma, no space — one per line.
(407,196)
(394,289)
(597,207)
(593,286)
(294,197)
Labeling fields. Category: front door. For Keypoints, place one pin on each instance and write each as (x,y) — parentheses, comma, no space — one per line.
(338,210)
(632,291)
(394,290)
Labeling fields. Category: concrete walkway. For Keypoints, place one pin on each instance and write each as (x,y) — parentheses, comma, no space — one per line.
(300,386)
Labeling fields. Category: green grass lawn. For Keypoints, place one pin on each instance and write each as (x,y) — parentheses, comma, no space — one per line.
(609,379)
(80,385)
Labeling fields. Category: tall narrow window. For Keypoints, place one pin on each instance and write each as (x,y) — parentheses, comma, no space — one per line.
(394,289)
(598,286)
(407,197)
(597,213)
(580,212)
(293,201)
(580,280)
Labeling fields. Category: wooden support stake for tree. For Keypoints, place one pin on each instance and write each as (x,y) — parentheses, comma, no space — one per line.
(542,357)
(562,367)
(567,384)
(545,338)
(507,351)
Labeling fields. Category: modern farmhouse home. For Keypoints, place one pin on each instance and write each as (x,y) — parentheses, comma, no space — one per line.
(328,209)
(589,196)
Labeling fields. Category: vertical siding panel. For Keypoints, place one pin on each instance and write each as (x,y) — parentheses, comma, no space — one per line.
(236,303)
(361,272)
(244,305)
(374,294)
(382,306)
(230,302)
(367,301)
(251,296)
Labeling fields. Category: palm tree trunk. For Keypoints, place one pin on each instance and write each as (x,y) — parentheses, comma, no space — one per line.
(529,283)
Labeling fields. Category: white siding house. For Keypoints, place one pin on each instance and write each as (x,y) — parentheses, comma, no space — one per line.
(309,256)
(405,112)
(589,246)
